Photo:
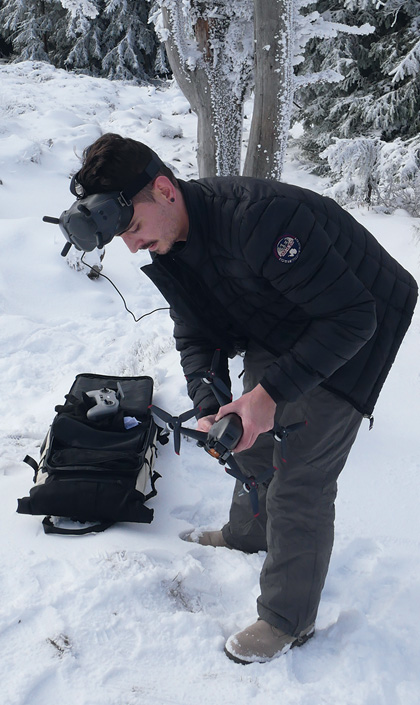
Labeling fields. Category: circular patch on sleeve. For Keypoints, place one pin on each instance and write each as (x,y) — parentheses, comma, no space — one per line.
(287,249)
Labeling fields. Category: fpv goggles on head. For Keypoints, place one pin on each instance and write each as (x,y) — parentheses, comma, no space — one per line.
(93,220)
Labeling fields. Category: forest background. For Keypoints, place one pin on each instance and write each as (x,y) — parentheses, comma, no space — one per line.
(356,75)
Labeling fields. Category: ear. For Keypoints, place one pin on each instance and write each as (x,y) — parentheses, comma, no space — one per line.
(164,189)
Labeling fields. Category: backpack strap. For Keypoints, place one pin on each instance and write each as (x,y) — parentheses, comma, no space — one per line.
(153,491)
(29,460)
(49,528)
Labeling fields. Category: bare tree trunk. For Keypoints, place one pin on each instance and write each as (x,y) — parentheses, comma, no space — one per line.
(207,85)
(273,22)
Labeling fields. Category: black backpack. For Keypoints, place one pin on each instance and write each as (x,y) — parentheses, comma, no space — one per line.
(97,459)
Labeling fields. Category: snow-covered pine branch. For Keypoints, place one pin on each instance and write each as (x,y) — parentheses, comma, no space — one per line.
(409,66)
(378,173)
(314,25)
(81,8)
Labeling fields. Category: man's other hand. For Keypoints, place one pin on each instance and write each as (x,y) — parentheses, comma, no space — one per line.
(206,422)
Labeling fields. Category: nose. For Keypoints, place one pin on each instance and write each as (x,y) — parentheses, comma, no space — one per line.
(129,240)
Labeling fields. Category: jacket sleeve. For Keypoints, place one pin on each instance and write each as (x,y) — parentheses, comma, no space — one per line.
(197,354)
(194,332)
(340,311)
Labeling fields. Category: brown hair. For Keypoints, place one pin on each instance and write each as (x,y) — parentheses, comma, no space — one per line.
(112,162)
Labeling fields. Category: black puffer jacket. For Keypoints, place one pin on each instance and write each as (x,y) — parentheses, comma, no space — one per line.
(296,273)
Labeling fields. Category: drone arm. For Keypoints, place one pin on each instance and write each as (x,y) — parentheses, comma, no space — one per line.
(249,484)
(200,436)
(232,468)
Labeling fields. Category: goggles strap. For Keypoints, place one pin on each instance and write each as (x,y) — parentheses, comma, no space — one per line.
(139,182)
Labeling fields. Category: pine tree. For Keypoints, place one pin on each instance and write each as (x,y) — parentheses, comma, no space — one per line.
(81,39)
(129,44)
(100,37)
(28,25)
(379,95)
(365,130)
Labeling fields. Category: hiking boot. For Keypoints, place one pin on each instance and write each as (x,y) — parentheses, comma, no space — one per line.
(261,642)
(205,538)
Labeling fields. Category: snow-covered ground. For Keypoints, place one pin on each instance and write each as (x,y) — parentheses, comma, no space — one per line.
(135,615)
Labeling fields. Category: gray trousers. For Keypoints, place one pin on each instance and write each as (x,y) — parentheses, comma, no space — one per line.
(296,521)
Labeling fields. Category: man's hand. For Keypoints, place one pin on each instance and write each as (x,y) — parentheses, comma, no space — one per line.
(206,422)
(256,410)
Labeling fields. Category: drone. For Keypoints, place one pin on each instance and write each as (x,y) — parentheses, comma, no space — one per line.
(224,435)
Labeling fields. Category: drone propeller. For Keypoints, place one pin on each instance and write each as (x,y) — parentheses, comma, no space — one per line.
(219,388)
(174,423)
(281,434)
(250,484)
(161,414)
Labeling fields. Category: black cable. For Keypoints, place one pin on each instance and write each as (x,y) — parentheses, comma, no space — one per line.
(98,273)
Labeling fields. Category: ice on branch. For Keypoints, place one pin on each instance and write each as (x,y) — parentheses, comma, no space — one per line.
(409,66)
(85,8)
(381,174)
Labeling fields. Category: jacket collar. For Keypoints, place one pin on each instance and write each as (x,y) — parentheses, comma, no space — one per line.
(193,249)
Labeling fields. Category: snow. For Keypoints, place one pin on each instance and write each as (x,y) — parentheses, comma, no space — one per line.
(135,615)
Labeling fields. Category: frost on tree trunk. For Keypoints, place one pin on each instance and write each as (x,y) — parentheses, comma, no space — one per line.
(273,100)
(209,47)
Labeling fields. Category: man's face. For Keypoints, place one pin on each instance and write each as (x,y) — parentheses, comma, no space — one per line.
(155,226)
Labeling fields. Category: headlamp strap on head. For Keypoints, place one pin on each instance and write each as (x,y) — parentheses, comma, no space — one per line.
(138,183)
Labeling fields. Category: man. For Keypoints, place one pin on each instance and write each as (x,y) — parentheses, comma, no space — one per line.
(319,309)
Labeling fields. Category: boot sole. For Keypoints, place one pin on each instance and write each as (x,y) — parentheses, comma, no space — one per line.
(300,641)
